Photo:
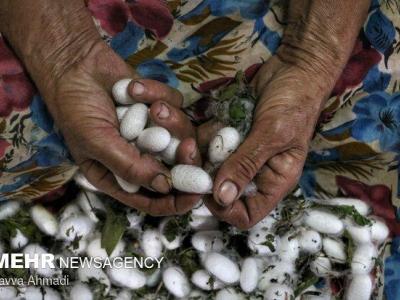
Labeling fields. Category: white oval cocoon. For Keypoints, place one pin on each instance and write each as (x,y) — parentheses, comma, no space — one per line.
(151,243)
(75,226)
(84,183)
(130,278)
(94,249)
(359,234)
(379,231)
(154,278)
(334,249)
(364,259)
(222,267)
(265,224)
(168,155)
(134,121)
(191,179)
(323,222)
(44,220)
(121,111)
(229,294)
(202,279)
(176,282)
(278,291)
(360,288)
(277,272)
(120,92)
(206,241)
(154,139)
(42,269)
(289,248)
(8,209)
(263,242)
(249,275)
(321,266)
(8,293)
(127,186)
(170,245)
(310,241)
(362,207)
(225,142)
(81,291)
(70,210)
(19,240)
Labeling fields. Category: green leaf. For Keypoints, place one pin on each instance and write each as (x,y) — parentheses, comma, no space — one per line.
(343,211)
(350,246)
(307,280)
(113,230)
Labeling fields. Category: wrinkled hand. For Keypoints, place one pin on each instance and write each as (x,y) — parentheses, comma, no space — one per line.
(85,113)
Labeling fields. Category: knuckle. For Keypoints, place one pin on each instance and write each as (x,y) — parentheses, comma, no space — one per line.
(247,166)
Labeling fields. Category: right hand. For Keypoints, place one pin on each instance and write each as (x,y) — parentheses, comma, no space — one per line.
(85,113)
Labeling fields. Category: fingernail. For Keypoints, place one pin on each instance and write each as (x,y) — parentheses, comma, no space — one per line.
(227,193)
(163,112)
(138,88)
(161,184)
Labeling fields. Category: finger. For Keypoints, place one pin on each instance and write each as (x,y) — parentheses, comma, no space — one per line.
(205,132)
(125,160)
(150,91)
(172,119)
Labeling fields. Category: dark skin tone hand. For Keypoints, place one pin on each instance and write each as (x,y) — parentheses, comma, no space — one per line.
(74,70)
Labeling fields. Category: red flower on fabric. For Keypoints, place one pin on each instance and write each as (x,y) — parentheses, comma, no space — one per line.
(362,59)
(153,15)
(3,147)
(16,90)
(377,196)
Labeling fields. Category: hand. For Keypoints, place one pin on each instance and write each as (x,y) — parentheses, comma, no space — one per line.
(291,87)
(85,113)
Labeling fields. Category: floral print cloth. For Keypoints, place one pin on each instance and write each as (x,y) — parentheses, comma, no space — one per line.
(199,45)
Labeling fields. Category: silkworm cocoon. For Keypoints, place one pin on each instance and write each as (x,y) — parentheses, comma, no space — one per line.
(362,207)
(94,249)
(321,266)
(127,186)
(222,267)
(154,139)
(265,224)
(359,234)
(120,92)
(130,278)
(8,292)
(75,226)
(334,249)
(263,242)
(191,179)
(249,275)
(134,121)
(360,288)
(323,222)
(168,155)
(8,209)
(89,202)
(277,272)
(278,291)
(223,144)
(44,220)
(81,291)
(154,278)
(36,293)
(121,111)
(229,293)
(170,245)
(364,259)
(379,231)
(176,282)
(19,240)
(201,211)
(42,269)
(202,279)
(84,183)
(310,241)
(205,241)
(151,243)
(289,248)
(199,223)
(70,210)
(85,273)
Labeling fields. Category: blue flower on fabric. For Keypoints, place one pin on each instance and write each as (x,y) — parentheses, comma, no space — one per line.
(392,271)
(156,69)
(380,31)
(249,9)
(126,42)
(378,118)
(376,80)
(271,39)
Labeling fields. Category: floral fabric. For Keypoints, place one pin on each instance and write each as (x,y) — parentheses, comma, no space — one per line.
(198,45)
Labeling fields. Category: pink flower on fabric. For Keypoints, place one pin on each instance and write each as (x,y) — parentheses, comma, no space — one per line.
(113,15)
(16,90)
